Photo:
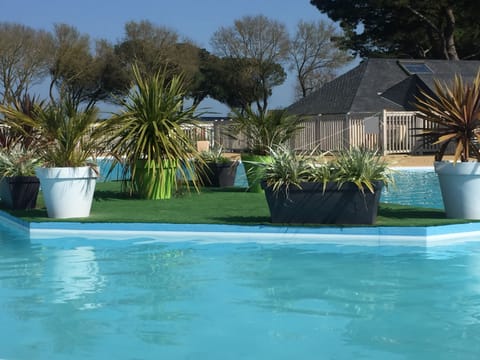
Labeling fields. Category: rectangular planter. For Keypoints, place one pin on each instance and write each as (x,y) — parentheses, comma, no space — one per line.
(310,204)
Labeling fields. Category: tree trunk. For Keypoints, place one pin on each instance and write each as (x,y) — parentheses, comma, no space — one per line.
(445,35)
(450,49)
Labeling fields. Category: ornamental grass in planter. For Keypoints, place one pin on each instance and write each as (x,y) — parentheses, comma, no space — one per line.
(18,159)
(303,189)
(216,170)
(18,185)
(452,116)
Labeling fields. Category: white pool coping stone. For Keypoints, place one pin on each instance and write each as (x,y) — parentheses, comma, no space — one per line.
(209,233)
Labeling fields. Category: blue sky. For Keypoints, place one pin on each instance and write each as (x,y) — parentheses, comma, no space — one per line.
(194,19)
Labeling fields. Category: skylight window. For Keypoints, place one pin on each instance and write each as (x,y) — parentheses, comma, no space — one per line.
(416,68)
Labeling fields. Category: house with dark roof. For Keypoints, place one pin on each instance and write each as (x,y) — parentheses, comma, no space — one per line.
(372,105)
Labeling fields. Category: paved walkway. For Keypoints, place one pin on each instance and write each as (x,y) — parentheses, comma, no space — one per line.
(408,160)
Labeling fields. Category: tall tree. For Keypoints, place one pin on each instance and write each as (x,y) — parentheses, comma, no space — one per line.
(189,60)
(234,81)
(259,40)
(82,75)
(24,54)
(147,45)
(314,56)
(443,29)
(155,48)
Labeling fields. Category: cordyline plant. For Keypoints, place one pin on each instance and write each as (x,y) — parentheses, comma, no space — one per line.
(454,112)
(25,137)
(150,127)
(65,136)
(263,130)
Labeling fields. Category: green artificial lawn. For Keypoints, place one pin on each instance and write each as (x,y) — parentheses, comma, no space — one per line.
(213,206)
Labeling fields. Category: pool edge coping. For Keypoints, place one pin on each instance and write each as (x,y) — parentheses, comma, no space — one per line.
(359,235)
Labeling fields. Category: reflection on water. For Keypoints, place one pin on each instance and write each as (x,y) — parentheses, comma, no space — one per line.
(80,298)
(76,273)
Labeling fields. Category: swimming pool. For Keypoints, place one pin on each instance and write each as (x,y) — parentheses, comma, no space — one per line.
(79,298)
(91,298)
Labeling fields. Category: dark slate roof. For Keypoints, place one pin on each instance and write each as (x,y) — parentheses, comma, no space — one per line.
(334,97)
(380,84)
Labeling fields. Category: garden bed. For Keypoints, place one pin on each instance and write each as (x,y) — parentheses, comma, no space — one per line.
(213,206)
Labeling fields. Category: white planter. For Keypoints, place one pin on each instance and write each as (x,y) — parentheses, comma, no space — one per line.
(460,186)
(68,192)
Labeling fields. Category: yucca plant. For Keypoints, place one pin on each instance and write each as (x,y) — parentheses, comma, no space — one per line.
(24,138)
(263,130)
(147,134)
(64,135)
(454,112)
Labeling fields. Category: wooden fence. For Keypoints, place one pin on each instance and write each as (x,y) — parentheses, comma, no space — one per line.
(388,132)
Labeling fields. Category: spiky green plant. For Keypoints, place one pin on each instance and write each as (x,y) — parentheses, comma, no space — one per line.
(362,167)
(359,166)
(65,135)
(26,137)
(454,112)
(149,127)
(18,163)
(263,130)
(214,155)
(289,168)
(286,169)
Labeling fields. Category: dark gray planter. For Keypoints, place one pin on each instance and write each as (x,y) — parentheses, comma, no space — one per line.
(312,205)
(220,174)
(19,192)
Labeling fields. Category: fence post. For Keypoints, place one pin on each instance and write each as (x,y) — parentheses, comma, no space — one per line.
(384,125)
(346,131)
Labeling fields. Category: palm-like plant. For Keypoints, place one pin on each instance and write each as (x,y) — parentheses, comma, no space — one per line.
(454,112)
(64,136)
(149,128)
(21,139)
(263,130)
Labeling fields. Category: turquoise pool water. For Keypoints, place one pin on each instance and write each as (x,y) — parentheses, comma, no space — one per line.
(86,298)
(80,298)
(416,187)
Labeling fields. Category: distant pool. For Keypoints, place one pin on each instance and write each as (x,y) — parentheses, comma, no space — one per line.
(80,298)
(415,187)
